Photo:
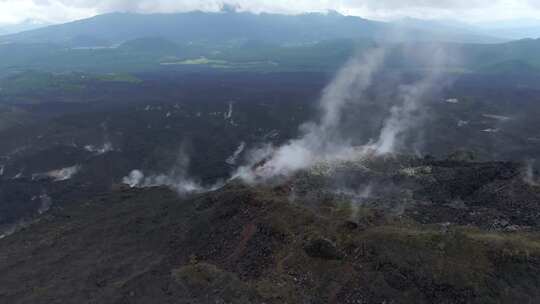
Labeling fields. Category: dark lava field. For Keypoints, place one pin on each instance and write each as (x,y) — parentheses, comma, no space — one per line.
(452,217)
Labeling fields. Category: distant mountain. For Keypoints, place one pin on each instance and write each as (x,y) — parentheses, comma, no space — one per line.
(452,30)
(229,40)
(519,32)
(27,25)
(230,26)
(512,67)
(526,51)
(512,29)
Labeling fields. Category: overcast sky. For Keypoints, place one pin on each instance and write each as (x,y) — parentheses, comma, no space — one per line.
(56,11)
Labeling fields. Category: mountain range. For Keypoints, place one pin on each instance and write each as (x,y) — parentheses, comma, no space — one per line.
(230,40)
(223,27)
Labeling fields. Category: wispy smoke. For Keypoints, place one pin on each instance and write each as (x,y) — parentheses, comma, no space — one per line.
(181,185)
(105,148)
(404,117)
(530,177)
(8,230)
(229,113)
(320,141)
(356,198)
(324,141)
(46,203)
(234,158)
(58,175)
(64,173)
(177,178)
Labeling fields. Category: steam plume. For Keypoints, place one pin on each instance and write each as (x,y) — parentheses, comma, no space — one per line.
(529,177)
(177,178)
(323,141)
(320,141)
(404,117)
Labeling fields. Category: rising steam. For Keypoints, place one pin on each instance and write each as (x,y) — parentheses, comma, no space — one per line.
(180,184)
(529,176)
(324,141)
(403,117)
(321,141)
(177,178)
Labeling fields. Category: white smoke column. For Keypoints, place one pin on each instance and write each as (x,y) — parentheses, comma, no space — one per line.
(402,118)
(177,178)
(321,141)
(354,78)
(407,116)
(529,173)
(134,179)
(229,113)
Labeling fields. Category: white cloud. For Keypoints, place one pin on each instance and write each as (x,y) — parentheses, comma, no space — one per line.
(12,11)
(16,11)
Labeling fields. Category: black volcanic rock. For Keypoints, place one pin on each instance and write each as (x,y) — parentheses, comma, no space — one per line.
(245,244)
(322,248)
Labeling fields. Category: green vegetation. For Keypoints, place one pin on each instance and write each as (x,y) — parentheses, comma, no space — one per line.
(155,54)
(27,86)
(32,81)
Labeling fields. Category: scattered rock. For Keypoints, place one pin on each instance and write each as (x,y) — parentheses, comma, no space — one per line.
(350,225)
(323,249)
(462,156)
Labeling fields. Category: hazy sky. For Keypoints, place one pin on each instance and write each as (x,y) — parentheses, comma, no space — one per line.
(14,11)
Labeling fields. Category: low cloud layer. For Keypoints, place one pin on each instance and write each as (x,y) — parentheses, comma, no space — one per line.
(12,11)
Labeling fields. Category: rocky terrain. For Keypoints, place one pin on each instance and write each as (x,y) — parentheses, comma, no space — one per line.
(69,145)
(393,230)
(313,158)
